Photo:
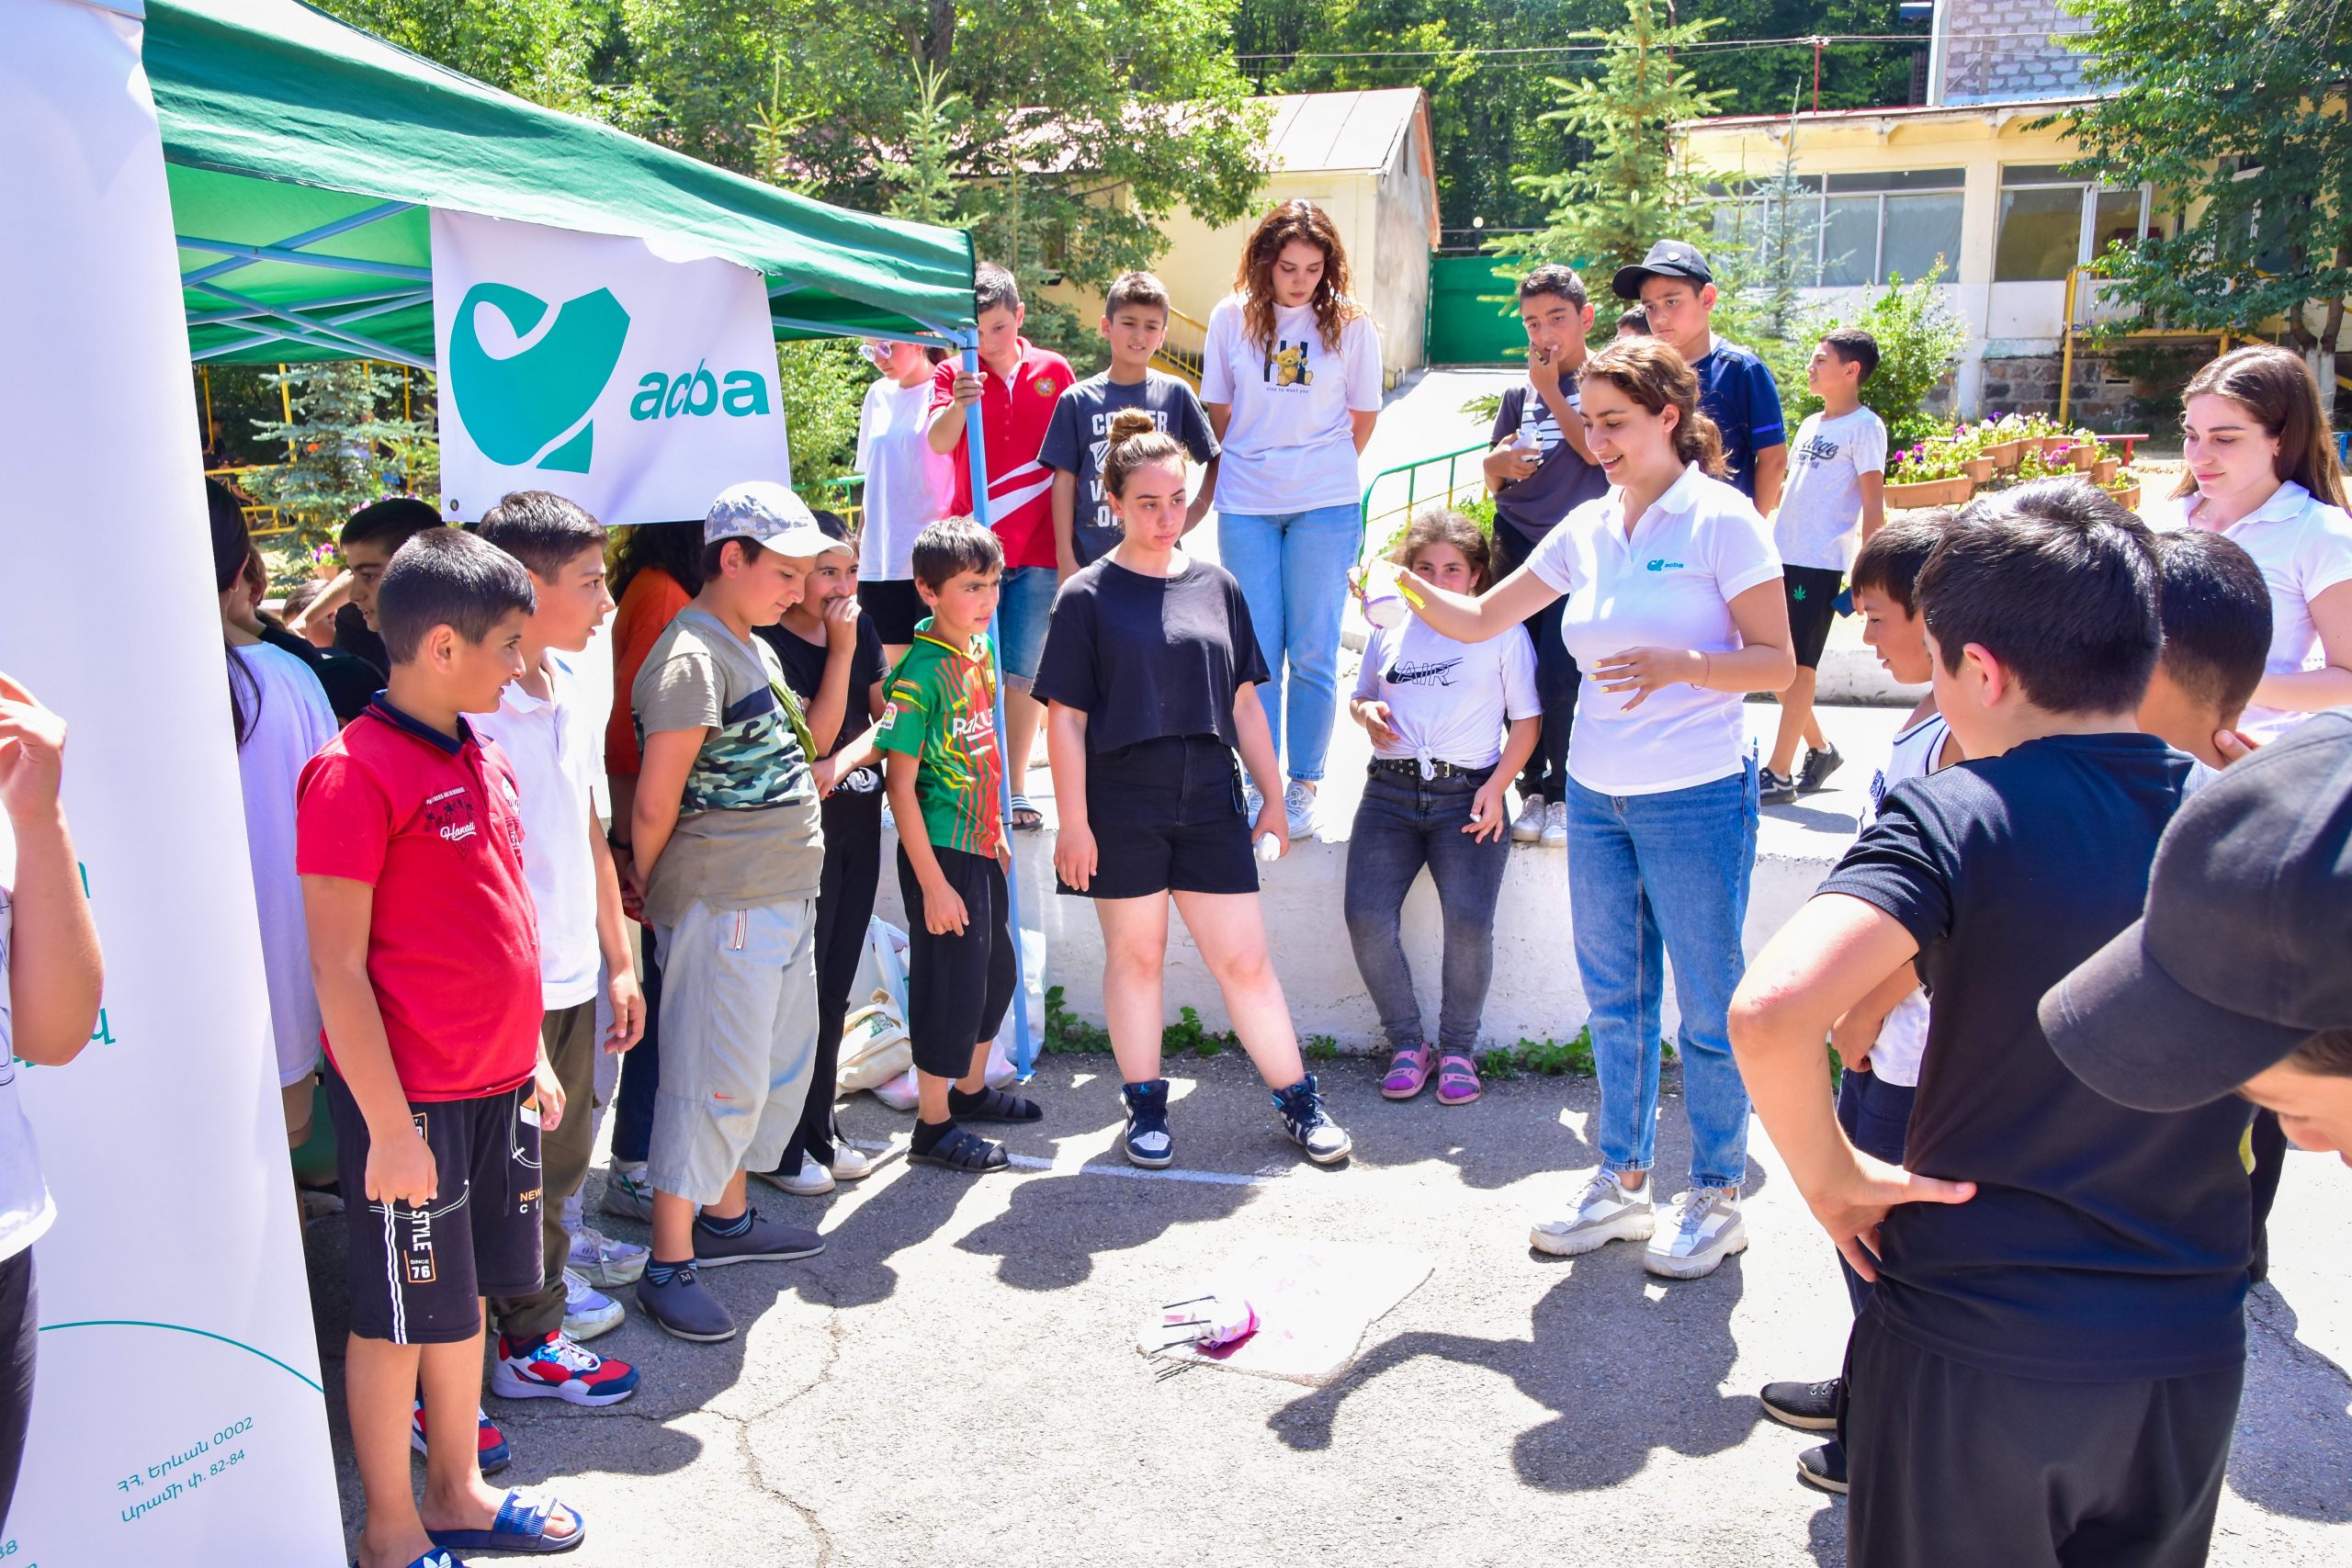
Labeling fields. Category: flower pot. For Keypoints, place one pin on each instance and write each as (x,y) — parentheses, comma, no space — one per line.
(1979,469)
(2103,471)
(2126,496)
(1930,492)
(2005,453)
(2086,456)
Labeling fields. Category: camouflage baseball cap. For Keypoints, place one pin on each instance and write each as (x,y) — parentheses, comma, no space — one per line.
(767,511)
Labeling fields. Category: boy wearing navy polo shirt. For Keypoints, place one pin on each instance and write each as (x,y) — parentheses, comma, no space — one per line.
(1017,389)
(1676,289)
(409,840)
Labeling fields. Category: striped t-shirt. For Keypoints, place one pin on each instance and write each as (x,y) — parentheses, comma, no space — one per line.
(943,712)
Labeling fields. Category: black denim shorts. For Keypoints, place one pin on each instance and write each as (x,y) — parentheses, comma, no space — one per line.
(1167,817)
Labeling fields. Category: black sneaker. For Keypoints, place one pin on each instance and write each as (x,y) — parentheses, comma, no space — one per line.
(1807,1407)
(1149,1144)
(1309,1125)
(1824,1467)
(1818,766)
(1773,789)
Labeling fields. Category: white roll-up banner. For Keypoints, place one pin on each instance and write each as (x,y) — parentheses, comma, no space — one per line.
(636,384)
(177,1416)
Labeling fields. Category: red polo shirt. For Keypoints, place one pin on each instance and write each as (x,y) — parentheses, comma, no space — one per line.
(1013,417)
(432,825)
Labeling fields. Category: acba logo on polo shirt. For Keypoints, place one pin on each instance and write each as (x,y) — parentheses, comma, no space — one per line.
(1660,564)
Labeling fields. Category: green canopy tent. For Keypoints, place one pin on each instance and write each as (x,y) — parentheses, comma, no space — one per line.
(303,156)
(304,153)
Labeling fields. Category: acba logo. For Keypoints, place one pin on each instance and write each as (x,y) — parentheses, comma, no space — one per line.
(530,405)
(697,393)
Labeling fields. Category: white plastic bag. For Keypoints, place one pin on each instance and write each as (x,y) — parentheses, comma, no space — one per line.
(901,1093)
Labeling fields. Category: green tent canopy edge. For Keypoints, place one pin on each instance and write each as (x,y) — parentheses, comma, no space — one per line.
(302,154)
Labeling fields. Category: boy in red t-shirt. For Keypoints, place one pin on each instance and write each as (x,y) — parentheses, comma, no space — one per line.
(1018,385)
(410,845)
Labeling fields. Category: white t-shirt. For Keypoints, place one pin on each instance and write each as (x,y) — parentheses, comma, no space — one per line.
(293,724)
(1449,701)
(1670,585)
(2304,548)
(553,750)
(26,1210)
(1821,502)
(1290,445)
(1902,1038)
(908,485)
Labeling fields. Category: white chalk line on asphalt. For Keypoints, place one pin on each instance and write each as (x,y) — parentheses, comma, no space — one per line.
(1125,1172)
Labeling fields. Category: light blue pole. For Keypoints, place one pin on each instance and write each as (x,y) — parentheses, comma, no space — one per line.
(1024,1050)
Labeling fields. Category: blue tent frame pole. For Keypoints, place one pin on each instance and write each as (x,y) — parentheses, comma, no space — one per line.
(1024,1050)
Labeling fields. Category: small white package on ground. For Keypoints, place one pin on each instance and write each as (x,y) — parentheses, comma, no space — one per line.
(1314,1305)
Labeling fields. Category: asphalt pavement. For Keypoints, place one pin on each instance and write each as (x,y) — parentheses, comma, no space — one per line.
(955,1380)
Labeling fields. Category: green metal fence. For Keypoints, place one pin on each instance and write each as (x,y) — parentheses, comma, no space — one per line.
(1394,496)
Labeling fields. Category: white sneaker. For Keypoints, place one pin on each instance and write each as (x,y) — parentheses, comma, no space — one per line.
(1702,1229)
(856,1165)
(627,1193)
(1252,802)
(587,1311)
(1606,1213)
(1556,824)
(1298,805)
(1527,825)
(601,1260)
(808,1181)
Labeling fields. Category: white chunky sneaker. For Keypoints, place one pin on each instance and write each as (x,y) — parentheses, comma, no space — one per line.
(1556,824)
(1527,825)
(1606,1213)
(1702,1229)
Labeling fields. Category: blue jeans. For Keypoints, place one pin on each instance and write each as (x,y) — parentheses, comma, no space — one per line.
(1403,824)
(1653,877)
(1876,1115)
(1024,605)
(1293,568)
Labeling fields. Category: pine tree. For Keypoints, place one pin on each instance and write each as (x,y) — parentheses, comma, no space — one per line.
(348,443)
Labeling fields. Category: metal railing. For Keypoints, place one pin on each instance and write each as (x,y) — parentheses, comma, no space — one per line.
(851,489)
(1429,481)
(1181,354)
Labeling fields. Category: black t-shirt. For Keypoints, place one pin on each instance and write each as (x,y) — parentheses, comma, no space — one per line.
(350,682)
(1147,657)
(2103,1245)
(1561,482)
(355,636)
(804,671)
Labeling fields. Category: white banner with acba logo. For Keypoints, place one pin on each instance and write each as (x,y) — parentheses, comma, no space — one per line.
(637,384)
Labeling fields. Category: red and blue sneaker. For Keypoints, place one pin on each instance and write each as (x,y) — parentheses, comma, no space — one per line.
(557,1367)
(489,1443)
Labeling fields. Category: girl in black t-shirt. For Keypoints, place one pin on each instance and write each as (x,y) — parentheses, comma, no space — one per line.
(1150,675)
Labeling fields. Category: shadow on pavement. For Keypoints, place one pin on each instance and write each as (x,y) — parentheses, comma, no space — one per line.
(1626,1363)
(1047,1238)
(2294,1409)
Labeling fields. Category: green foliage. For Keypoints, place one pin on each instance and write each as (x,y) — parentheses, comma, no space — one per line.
(2234,107)
(821,385)
(1919,341)
(551,51)
(1067,1034)
(349,443)
(1548,1058)
(1319,1048)
(1606,209)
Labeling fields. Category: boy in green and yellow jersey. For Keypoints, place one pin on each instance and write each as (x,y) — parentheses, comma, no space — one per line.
(944,769)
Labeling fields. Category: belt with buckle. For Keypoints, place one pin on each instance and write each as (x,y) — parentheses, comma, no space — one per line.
(1412,767)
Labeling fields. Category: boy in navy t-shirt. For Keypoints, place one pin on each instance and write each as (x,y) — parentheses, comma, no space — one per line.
(1677,290)
(2049,1367)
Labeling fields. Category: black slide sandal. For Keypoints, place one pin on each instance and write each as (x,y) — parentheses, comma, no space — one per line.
(992,1105)
(965,1151)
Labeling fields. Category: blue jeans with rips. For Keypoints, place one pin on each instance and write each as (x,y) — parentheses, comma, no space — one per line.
(1293,568)
(1654,877)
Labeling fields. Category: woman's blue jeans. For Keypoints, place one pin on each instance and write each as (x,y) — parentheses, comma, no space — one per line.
(1403,824)
(1293,568)
(1654,877)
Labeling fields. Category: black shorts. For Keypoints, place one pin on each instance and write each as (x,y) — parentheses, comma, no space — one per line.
(958,985)
(1167,817)
(893,605)
(418,1275)
(1811,593)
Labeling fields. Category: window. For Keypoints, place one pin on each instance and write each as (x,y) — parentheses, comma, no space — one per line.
(2049,224)
(1853,229)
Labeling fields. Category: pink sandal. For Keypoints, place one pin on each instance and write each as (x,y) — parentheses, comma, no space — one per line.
(1408,1072)
(1457,1080)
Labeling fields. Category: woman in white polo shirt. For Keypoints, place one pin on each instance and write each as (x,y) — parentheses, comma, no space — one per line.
(2262,473)
(1675,612)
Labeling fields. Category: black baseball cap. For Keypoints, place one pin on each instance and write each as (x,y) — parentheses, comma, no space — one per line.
(1668,258)
(2245,949)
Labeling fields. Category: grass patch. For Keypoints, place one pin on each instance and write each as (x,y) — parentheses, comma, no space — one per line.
(1069,1035)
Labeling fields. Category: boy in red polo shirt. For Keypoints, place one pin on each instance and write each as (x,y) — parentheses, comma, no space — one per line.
(409,840)
(1018,385)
